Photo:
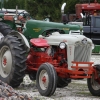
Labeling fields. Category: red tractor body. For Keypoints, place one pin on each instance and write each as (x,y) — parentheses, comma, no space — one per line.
(53,60)
(39,54)
(89,8)
(38,57)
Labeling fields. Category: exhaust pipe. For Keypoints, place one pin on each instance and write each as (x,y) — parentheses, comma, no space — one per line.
(16,16)
(62,8)
(64,16)
(81,15)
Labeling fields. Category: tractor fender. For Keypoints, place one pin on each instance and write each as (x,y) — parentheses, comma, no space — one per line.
(10,23)
(24,40)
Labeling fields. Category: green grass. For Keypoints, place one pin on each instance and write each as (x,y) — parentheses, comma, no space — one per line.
(86,93)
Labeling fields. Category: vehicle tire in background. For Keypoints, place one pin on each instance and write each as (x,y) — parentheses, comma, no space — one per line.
(63,82)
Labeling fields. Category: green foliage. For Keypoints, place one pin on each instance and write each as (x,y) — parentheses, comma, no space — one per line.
(71,6)
(11,4)
(39,9)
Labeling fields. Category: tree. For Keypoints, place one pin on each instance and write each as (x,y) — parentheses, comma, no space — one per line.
(39,9)
(43,8)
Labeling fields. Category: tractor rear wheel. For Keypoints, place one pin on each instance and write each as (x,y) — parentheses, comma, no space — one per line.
(32,75)
(4,29)
(63,82)
(94,85)
(46,79)
(12,60)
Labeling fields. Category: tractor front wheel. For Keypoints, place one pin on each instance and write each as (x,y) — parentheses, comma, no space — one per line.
(46,79)
(94,85)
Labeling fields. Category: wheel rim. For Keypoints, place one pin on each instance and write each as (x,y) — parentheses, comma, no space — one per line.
(43,79)
(95,84)
(5,61)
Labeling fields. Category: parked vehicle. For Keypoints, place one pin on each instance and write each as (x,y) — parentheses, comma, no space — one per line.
(88,7)
(21,21)
(15,18)
(85,8)
(91,29)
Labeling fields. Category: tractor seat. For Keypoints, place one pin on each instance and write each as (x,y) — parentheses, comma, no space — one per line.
(39,42)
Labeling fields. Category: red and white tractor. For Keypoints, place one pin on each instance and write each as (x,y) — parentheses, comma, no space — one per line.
(52,60)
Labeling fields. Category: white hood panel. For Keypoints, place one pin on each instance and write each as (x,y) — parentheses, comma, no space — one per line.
(55,39)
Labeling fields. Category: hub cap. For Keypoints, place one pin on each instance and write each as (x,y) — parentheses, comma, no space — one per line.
(5,61)
(43,79)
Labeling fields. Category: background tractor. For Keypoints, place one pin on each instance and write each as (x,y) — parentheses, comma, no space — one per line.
(21,21)
(85,8)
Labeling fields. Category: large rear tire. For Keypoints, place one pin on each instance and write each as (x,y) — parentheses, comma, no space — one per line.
(5,29)
(12,60)
(46,79)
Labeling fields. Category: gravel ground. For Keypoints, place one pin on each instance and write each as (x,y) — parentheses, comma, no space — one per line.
(76,90)
(8,93)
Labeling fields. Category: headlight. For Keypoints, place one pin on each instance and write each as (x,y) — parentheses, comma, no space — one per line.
(62,45)
(84,41)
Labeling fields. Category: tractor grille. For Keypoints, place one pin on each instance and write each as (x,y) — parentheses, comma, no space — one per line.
(82,53)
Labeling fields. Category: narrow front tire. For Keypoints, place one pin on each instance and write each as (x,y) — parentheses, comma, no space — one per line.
(46,79)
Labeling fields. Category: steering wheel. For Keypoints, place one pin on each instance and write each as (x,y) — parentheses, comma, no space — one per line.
(24,16)
(21,17)
(49,32)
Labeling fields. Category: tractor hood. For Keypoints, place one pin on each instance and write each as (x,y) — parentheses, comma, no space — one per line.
(55,39)
(39,24)
(34,28)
